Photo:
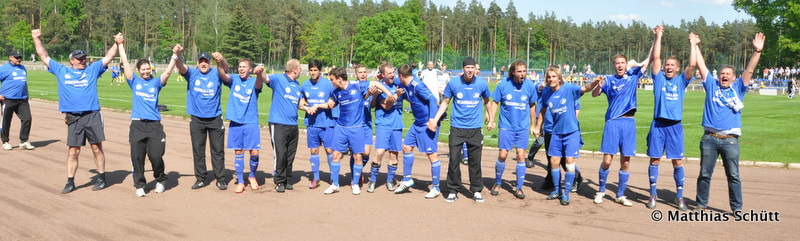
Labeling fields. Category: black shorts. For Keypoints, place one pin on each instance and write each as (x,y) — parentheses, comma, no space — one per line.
(88,126)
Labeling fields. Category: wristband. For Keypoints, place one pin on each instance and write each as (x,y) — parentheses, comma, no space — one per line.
(174,57)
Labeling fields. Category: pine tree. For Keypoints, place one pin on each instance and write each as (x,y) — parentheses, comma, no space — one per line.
(240,38)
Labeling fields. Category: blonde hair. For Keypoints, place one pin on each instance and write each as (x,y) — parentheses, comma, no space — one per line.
(556,71)
(292,64)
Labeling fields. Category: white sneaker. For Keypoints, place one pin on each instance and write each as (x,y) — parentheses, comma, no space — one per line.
(7,146)
(356,189)
(624,201)
(140,192)
(26,146)
(160,187)
(331,190)
(598,197)
(433,193)
(404,186)
(478,197)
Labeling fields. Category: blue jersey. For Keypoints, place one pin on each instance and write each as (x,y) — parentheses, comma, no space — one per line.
(467,101)
(145,98)
(285,96)
(515,100)
(422,101)
(243,101)
(367,112)
(77,89)
(719,112)
(621,92)
(351,103)
(668,95)
(14,79)
(114,72)
(318,93)
(561,107)
(391,118)
(203,93)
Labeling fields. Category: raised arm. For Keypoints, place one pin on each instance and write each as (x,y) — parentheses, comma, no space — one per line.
(758,44)
(701,63)
(123,58)
(37,43)
(658,32)
(260,77)
(598,81)
(168,72)
(113,50)
(689,72)
(222,67)
(178,50)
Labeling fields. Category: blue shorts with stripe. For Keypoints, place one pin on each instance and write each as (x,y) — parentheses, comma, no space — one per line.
(566,145)
(317,136)
(508,139)
(423,139)
(665,136)
(348,137)
(368,135)
(619,134)
(388,139)
(244,136)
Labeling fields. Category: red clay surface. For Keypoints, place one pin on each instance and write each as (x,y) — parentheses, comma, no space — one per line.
(34,208)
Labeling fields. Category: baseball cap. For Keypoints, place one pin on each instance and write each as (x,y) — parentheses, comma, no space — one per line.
(468,61)
(204,55)
(15,54)
(77,54)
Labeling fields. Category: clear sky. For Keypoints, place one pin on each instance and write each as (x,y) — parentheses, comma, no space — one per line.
(651,12)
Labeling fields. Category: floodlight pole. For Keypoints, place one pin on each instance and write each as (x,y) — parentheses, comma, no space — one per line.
(441,55)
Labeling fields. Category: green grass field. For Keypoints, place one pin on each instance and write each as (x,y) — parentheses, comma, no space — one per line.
(767,120)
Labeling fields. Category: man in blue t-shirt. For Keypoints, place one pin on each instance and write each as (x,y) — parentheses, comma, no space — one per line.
(361,76)
(77,99)
(244,132)
(114,74)
(283,119)
(319,126)
(14,99)
(470,95)
(666,130)
(619,133)
(388,128)
(203,90)
(722,123)
(516,98)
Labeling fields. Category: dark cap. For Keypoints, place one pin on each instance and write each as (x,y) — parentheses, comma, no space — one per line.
(77,54)
(204,55)
(15,54)
(468,61)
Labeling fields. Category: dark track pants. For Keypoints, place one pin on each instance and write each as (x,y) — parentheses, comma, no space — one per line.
(284,145)
(147,138)
(474,140)
(23,110)
(214,130)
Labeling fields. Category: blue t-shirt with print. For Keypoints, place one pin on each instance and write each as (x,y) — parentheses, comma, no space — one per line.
(422,101)
(318,93)
(392,117)
(203,93)
(77,89)
(719,112)
(621,92)
(14,79)
(145,98)
(467,98)
(285,96)
(243,100)
(668,94)
(560,106)
(514,100)
(351,103)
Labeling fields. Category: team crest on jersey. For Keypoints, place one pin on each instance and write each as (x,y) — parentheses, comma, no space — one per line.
(288,90)
(237,88)
(210,84)
(197,83)
(524,98)
(460,95)
(320,94)
(352,92)
(152,90)
(14,73)
(563,101)
(549,104)
(508,97)
(476,95)
(66,76)
(248,91)
(138,86)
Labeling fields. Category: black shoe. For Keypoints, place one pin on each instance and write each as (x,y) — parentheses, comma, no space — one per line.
(530,162)
(495,190)
(577,184)
(545,186)
(281,187)
(68,188)
(222,186)
(553,195)
(289,186)
(565,200)
(99,185)
(198,185)
(519,194)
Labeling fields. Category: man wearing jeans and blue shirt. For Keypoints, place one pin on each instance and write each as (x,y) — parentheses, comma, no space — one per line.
(722,122)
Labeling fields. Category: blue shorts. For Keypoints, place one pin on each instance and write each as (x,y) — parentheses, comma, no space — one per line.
(619,135)
(508,139)
(244,136)
(352,137)
(566,145)
(665,135)
(423,139)
(368,135)
(388,139)
(317,136)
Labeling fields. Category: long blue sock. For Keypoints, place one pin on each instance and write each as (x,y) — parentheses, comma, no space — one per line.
(678,175)
(556,176)
(623,183)
(392,169)
(499,167)
(253,165)
(603,179)
(408,163)
(652,172)
(356,173)
(364,159)
(569,177)
(436,170)
(238,163)
(521,169)
(464,150)
(315,166)
(373,172)
(335,168)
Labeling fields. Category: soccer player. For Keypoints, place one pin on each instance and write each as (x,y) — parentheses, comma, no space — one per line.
(361,76)
(467,92)
(114,74)
(146,133)
(517,99)
(619,133)
(203,104)
(14,99)
(666,130)
(388,128)
(319,126)
(350,97)
(558,101)
(283,129)
(722,123)
(244,132)
(77,94)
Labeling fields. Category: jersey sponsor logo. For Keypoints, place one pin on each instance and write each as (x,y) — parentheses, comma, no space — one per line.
(288,90)
(476,95)
(321,94)
(67,76)
(563,101)
(14,73)
(197,82)
(152,90)
(210,84)
(524,97)
(248,91)
(237,88)
(138,87)
(508,97)
(459,95)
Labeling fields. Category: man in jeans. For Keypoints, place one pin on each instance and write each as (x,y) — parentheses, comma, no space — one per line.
(722,122)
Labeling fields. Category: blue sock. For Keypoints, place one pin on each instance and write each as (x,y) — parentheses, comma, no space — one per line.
(499,167)
(238,163)
(373,172)
(408,163)
(392,169)
(364,159)
(520,174)
(315,166)
(652,172)
(569,177)
(330,159)
(603,179)
(436,170)
(623,183)
(356,173)
(464,150)
(678,175)
(253,165)
(335,168)
(556,176)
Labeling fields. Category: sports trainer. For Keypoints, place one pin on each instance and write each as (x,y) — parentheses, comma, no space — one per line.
(14,99)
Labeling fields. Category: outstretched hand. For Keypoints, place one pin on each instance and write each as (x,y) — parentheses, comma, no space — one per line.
(758,41)
(119,39)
